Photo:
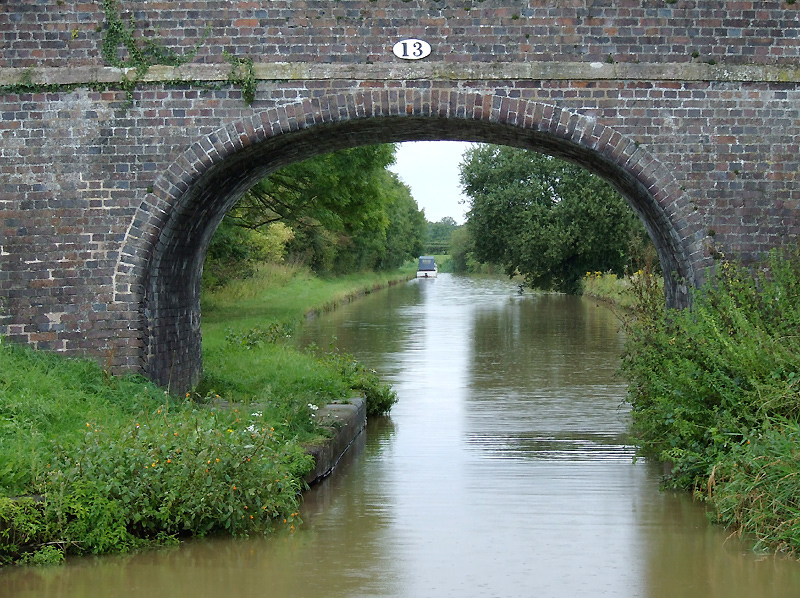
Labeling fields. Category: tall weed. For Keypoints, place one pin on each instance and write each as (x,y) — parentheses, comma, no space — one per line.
(755,488)
(703,381)
(164,475)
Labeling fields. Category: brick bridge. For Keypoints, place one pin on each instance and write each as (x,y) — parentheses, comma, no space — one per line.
(110,191)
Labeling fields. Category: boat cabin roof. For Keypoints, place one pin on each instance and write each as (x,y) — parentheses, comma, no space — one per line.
(426,262)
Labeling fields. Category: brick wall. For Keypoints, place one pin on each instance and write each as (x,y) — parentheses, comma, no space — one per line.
(34,32)
(108,205)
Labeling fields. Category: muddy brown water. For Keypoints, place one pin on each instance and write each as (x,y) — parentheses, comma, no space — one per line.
(504,470)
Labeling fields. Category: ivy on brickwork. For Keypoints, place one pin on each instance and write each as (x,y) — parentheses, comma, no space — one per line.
(122,49)
(243,75)
(141,54)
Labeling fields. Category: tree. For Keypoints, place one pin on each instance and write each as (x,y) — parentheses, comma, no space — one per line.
(544,218)
(439,233)
(407,225)
(345,211)
(461,250)
(235,252)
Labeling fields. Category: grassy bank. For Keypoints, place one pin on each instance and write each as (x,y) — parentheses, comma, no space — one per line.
(285,294)
(112,464)
(245,358)
(108,464)
(715,392)
(623,292)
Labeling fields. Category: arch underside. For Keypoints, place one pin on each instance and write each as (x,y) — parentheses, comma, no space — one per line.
(190,199)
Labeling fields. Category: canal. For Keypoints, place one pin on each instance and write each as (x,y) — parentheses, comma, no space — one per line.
(504,470)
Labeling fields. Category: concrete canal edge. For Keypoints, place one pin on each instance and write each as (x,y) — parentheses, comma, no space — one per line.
(345,421)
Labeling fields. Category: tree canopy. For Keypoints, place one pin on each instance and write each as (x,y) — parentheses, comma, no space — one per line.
(544,218)
(344,211)
(439,233)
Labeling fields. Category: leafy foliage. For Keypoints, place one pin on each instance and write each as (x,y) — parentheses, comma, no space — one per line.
(439,234)
(715,391)
(235,252)
(139,52)
(544,218)
(346,211)
(165,474)
(113,467)
(379,396)
(259,336)
(406,226)
(191,472)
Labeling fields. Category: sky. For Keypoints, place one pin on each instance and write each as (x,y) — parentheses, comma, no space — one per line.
(430,168)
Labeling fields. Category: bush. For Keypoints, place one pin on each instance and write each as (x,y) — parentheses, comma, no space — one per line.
(705,382)
(22,528)
(379,396)
(185,473)
(235,252)
(165,475)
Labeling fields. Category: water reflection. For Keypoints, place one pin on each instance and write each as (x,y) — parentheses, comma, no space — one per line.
(505,470)
(542,378)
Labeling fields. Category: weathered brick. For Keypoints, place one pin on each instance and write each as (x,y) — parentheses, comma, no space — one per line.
(102,202)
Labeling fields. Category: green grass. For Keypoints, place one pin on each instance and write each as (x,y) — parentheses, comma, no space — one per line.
(245,360)
(285,294)
(46,397)
(93,463)
(611,289)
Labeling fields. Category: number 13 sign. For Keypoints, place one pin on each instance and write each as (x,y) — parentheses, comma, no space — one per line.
(411,49)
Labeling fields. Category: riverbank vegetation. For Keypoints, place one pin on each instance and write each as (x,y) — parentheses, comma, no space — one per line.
(247,347)
(94,463)
(623,292)
(715,393)
(544,219)
(337,213)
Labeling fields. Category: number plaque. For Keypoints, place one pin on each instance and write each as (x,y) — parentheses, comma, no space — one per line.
(411,49)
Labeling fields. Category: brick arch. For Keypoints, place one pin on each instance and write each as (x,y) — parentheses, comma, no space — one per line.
(160,264)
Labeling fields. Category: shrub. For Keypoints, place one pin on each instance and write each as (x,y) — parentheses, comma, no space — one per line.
(707,384)
(166,474)
(172,474)
(22,528)
(379,396)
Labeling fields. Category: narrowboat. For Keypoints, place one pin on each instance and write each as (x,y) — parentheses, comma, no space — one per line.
(427,267)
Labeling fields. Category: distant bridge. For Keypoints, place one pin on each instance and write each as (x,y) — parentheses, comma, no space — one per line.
(117,161)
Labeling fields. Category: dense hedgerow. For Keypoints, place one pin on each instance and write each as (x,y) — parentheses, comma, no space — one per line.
(715,391)
(166,474)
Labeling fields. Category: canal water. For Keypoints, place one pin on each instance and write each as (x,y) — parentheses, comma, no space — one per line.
(504,470)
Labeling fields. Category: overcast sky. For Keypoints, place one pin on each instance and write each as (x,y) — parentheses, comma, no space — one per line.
(430,168)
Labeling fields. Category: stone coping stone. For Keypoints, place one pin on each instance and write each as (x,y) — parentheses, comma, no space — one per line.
(435,70)
(346,420)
